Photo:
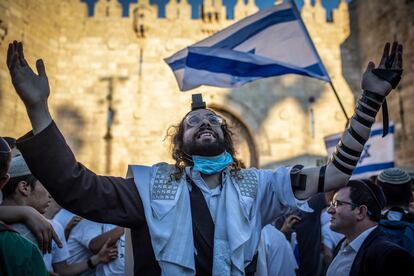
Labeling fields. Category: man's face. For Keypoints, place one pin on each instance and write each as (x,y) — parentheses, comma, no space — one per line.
(203,134)
(39,198)
(343,217)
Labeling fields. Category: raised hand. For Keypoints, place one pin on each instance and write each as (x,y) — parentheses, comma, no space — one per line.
(288,224)
(381,80)
(32,88)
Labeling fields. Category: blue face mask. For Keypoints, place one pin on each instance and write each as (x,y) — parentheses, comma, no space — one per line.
(212,164)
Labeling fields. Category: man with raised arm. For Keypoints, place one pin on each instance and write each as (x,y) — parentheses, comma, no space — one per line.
(203,215)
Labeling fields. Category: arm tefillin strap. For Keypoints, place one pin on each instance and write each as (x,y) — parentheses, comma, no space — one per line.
(297,179)
(392,76)
(351,162)
(347,150)
(346,158)
(356,136)
(321,180)
(343,169)
(372,100)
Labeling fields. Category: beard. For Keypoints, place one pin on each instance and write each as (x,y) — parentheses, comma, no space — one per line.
(205,148)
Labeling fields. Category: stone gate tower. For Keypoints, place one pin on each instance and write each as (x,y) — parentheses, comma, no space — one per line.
(114,97)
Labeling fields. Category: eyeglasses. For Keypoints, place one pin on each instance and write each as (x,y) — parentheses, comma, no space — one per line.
(196,120)
(335,203)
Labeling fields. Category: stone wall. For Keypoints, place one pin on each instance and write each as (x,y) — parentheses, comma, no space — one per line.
(26,21)
(108,66)
(374,23)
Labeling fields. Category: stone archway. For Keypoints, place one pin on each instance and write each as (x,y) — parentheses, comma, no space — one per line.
(242,137)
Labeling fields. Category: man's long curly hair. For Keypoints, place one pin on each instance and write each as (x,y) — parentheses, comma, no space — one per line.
(176,133)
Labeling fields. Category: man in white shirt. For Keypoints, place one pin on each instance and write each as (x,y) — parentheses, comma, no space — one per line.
(275,254)
(87,237)
(24,189)
(355,211)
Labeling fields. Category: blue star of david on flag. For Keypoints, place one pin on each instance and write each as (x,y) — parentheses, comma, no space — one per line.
(365,153)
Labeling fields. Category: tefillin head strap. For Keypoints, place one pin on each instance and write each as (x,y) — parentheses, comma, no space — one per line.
(197,102)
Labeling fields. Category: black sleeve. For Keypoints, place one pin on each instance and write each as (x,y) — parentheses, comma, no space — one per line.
(107,199)
(395,261)
(317,202)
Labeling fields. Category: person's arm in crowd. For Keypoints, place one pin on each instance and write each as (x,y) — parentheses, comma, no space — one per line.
(71,224)
(111,200)
(38,224)
(336,173)
(327,255)
(288,225)
(105,255)
(114,234)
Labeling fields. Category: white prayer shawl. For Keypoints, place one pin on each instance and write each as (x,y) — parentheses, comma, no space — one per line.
(242,212)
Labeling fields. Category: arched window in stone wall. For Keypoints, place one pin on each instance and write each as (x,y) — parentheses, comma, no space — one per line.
(242,137)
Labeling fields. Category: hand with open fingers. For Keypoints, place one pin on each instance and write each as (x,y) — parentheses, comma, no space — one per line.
(42,229)
(32,88)
(108,254)
(385,77)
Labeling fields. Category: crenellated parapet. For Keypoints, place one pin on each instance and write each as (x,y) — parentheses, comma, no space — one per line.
(341,17)
(213,11)
(178,11)
(144,15)
(108,8)
(242,9)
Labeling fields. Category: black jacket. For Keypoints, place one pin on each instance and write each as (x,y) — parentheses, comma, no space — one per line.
(379,256)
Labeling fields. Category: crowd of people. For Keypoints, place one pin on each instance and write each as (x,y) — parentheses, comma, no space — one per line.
(205,214)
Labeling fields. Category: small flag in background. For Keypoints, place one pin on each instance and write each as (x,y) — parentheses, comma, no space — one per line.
(269,43)
(377,155)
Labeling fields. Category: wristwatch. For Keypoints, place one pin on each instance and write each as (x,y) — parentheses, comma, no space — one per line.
(90,264)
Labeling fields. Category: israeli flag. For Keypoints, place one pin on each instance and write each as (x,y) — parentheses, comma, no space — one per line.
(269,43)
(377,155)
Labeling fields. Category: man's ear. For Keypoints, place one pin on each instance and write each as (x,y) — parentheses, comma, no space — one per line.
(24,188)
(4,180)
(362,212)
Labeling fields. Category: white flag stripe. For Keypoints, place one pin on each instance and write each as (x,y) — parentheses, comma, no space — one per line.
(269,43)
(237,74)
(227,32)
(291,37)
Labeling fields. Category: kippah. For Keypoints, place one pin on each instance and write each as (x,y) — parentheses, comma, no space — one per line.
(4,146)
(394,176)
(18,167)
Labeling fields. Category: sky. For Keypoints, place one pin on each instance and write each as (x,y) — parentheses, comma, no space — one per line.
(328,4)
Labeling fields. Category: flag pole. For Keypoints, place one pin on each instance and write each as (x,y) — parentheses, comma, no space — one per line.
(339,101)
